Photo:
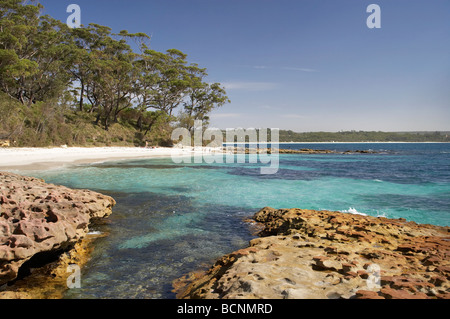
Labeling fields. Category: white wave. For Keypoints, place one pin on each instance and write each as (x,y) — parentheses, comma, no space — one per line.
(353,210)
(381,214)
(378,180)
(94,233)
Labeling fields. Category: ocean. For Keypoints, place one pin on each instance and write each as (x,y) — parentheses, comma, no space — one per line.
(171,218)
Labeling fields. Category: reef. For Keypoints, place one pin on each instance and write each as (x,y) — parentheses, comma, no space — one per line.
(254,150)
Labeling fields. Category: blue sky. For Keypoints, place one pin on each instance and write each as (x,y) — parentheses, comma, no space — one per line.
(304,65)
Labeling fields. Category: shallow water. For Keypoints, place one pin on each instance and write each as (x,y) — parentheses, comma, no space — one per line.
(172,218)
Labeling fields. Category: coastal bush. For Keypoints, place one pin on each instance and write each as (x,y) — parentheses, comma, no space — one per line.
(63,76)
(50,124)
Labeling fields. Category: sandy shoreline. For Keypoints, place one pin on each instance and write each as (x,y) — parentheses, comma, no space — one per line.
(46,158)
(56,157)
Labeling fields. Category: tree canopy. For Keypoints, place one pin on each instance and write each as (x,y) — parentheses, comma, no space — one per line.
(92,73)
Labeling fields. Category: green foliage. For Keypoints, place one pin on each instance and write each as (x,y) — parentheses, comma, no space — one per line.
(363,136)
(33,49)
(51,124)
(73,86)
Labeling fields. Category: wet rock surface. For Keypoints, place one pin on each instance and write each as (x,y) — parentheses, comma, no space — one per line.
(306,254)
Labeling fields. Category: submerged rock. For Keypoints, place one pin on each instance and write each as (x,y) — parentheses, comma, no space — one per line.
(322,254)
(253,150)
(39,220)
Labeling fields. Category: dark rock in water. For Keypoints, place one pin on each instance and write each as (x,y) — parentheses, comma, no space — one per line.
(38,219)
(243,150)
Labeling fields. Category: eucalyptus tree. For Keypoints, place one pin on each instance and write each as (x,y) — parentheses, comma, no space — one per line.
(32,53)
(81,61)
(110,77)
(201,97)
(51,78)
(18,23)
(171,78)
(42,60)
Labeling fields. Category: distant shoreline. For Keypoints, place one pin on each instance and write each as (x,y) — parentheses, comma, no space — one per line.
(338,143)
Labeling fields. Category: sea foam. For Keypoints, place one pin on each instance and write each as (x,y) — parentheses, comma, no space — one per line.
(352,210)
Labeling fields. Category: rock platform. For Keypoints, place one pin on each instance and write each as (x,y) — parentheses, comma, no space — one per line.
(307,254)
(39,221)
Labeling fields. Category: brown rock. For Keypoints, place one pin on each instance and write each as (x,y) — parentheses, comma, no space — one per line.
(14,295)
(390,293)
(367,294)
(431,260)
(444,270)
(405,248)
(37,217)
(348,267)
(322,254)
(443,295)
(438,281)
(328,264)
(363,274)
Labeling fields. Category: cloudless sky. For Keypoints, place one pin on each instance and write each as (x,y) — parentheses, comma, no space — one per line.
(304,65)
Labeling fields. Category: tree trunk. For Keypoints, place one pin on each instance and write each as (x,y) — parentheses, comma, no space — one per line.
(139,122)
(21,99)
(149,128)
(106,122)
(81,97)
(97,120)
(30,101)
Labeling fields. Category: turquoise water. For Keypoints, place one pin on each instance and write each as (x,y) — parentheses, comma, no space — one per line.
(174,218)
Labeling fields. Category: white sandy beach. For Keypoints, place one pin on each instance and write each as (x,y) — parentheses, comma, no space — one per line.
(41,158)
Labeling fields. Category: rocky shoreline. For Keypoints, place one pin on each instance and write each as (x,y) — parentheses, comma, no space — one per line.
(43,229)
(306,254)
(248,150)
(299,254)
